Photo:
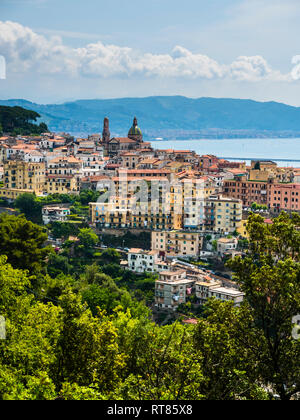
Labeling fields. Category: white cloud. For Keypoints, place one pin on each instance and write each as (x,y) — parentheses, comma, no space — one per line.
(2,67)
(295,73)
(26,50)
(255,68)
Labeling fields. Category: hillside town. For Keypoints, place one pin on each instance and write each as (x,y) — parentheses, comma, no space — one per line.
(193,208)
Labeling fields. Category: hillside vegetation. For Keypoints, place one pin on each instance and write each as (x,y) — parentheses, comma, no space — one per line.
(170,114)
(17,120)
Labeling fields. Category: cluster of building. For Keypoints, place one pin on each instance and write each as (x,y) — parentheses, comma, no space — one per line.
(48,164)
(178,281)
(178,195)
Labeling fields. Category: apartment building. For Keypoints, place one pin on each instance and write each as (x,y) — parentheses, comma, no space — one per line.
(177,243)
(223,214)
(4,153)
(225,245)
(145,173)
(129,160)
(141,261)
(172,289)
(283,197)
(20,177)
(268,170)
(112,215)
(248,191)
(151,163)
(55,214)
(195,192)
(242,230)
(138,203)
(63,176)
(213,289)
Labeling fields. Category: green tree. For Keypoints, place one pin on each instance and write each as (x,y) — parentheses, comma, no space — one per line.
(270,278)
(32,329)
(31,208)
(64,229)
(229,369)
(23,243)
(101,291)
(164,364)
(88,196)
(13,286)
(17,120)
(110,256)
(87,352)
(88,238)
(58,264)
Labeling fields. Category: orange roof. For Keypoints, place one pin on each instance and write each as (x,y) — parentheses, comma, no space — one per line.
(182,151)
(236,171)
(129,154)
(70,159)
(95,178)
(24,146)
(150,160)
(146,171)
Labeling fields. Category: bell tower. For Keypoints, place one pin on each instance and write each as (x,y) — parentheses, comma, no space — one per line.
(105,132)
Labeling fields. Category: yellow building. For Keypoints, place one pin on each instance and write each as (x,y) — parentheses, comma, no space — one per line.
(154,202)
(189,194)
(223,214)
(63,175)
(62,184)
(242,230)
(266,170)
(177,243)
(20,177)
(3,153)
(111,215)
(132,205)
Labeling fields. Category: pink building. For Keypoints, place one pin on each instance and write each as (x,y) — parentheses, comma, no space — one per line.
(284,197)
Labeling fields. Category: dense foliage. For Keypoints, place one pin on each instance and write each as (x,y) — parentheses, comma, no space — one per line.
(17,120)
(85,335)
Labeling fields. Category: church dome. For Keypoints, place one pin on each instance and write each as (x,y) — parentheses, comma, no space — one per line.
(135,132)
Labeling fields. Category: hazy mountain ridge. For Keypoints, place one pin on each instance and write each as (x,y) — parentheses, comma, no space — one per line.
(171,116)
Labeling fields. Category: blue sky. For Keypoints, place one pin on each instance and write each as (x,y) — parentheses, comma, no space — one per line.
(57,50)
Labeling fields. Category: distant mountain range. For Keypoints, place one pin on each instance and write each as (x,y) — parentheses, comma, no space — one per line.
(171,117)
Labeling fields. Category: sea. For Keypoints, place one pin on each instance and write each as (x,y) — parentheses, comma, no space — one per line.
(285,152)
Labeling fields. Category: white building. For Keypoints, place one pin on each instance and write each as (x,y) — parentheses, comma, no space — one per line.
(34,156)
(174,287)
(226,294)
(214,289)
(141,261)
(55,214)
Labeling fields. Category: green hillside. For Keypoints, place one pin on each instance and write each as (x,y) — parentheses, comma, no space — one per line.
(167,113)
(17,120)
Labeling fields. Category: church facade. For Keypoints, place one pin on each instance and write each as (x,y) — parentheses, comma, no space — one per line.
(113,147)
